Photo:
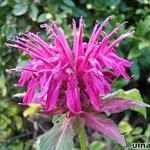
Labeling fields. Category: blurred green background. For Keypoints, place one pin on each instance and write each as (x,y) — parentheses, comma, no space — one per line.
(18,132)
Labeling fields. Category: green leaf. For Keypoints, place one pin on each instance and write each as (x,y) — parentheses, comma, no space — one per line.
(69,3)
(125,127)
(134,53)
(44,17)
(143,44)
(66,9)
(135,69)
(147,132)
(120,82)
(13,111)
(82,137)
(79,12)
(137,131)
(60,137)
(141,1)
(133,94)
(18,122)
(113,2)
(33,12)
(4,121)
(143,27)
(6,133)
(97,145)
(3,3)
(20,9)
(10,32)
(147,24)
(102,3)
(144,60)
(31,109)
(57,118)
(28,144)
(3,89)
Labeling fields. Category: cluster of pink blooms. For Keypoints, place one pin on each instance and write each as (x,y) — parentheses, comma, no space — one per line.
(64,79)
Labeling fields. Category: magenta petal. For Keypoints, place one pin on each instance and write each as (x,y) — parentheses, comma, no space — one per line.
(73,97)
(94,97)
(93,94)
(73,100)
(45,88)
(103,125)
(78,41)
(118,40)
(53,94)
(25,75)
(118,59)
(116,105)
(31,90)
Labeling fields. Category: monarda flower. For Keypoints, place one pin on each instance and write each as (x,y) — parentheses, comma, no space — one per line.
(76,79)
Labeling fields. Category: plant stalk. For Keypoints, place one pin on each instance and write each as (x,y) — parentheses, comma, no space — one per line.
(82,137)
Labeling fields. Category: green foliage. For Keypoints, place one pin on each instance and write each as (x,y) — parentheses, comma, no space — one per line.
(3,89)
(20,9)
(147,132)
(97,145)
(17,145)
(60,137)
(125,127)
(33,108)
(9,118)
(33,12)
(133,94)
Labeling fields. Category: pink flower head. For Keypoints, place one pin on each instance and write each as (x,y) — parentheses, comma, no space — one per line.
(77,79)
(74,79)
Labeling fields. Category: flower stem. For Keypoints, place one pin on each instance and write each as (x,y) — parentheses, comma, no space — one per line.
(82,137)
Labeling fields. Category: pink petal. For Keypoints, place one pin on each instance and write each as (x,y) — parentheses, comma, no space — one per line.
(78,41)
(121,70)
(63,41)
(73,100)
(94,95)
(25,76)
(53,94)
(31,90)
(103,125)
(98,30)
(106,39)
(118,59)
(116,105)
(98,81)
(45,87)
(54,86)
(73,95)
(45,47)
(95,35)
(118,40)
